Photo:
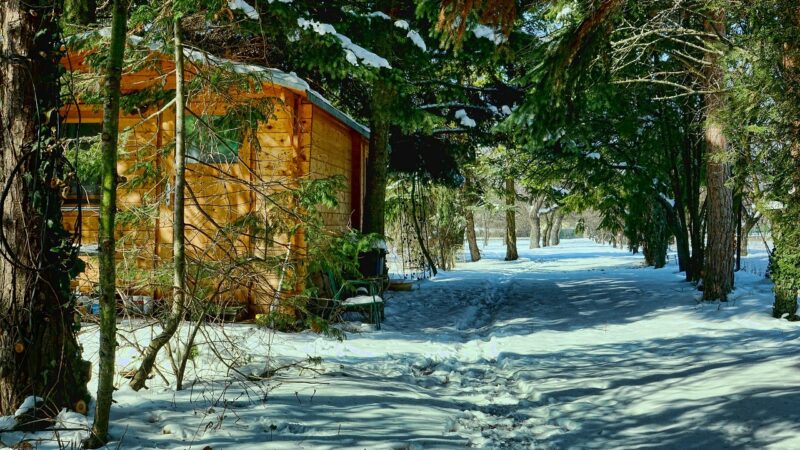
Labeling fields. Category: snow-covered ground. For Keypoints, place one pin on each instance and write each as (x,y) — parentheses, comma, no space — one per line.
(571,346)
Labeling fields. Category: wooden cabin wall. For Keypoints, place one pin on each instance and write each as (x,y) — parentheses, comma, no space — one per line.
(136,232)
(279,163)
(332,155)
(300,140)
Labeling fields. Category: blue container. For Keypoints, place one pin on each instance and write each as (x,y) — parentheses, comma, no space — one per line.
(94,308)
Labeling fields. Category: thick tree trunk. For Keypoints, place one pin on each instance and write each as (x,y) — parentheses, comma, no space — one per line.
(472,238)
(178,227)
(718,276)
(682,244)
(548,227)
(535,222)
(749,223)
(108,209)
(378,158)
(511,221)
(743,242)
(39,353)
(536,232)
(555,236)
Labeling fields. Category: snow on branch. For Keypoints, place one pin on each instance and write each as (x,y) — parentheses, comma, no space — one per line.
(465,120)
(486,32)
(244,7)
(379,14)
(354,53)
(412,34)
(417,40)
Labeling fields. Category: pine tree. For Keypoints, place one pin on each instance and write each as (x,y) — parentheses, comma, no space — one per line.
(39,352)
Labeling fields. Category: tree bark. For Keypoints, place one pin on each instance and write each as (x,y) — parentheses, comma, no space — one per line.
(548,226)
(178,226)
(718,276)
(108,208)
(39,353)
(555,237)
(469,214)
(749,223)
(472,238)
(535,222)
(511,222)
(378,157)
(676,225)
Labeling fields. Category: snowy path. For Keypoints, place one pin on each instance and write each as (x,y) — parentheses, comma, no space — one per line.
(575,346)
(570,346)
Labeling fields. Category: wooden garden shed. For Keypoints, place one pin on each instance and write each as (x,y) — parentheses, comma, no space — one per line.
(302,137)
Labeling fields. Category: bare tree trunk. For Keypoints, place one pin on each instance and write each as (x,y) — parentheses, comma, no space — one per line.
(511,222)
(378,158)
(178,248)
(39,353)
(555,238)
(108,207)
(471,199)
(535,222)
(548,226)
(749,223)
(472,238)
(718,277)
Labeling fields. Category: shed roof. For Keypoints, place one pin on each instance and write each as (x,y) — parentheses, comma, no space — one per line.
(280,78)
(267,74)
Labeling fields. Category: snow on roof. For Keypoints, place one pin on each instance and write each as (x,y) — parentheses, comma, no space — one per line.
(268,74)
(280,78)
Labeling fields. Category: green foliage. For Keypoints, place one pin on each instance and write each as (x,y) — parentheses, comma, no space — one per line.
(338,253)
(279,321)
(438,211)
(194,352)
(785,264)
